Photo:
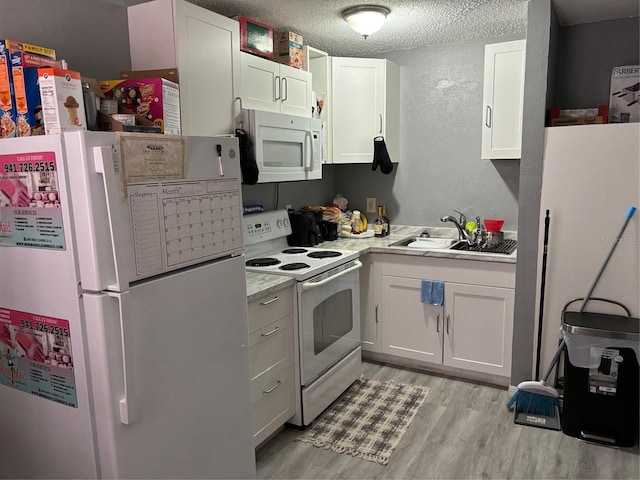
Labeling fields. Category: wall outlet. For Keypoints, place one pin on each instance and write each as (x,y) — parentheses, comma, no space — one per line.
(371,205)
(288,206)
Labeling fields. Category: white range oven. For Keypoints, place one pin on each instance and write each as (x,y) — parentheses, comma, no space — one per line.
(327,330)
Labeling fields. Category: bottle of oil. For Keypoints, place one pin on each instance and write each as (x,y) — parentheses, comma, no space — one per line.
(385,220)
(378,225)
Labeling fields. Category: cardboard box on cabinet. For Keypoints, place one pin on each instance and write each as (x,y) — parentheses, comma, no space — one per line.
(290,49)
(624,100)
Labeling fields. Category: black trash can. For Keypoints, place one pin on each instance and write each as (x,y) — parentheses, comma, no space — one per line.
(601,378)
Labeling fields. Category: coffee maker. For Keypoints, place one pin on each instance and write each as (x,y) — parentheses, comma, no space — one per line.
(304,229)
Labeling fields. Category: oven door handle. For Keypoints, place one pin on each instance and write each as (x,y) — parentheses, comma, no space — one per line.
(311,285)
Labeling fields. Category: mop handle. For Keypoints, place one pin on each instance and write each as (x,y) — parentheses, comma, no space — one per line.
(630,213)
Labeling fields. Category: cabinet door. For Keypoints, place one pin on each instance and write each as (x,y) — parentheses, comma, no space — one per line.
(261,85)
(295,98)
(369,305)
(358,113)
(478,328)
(504,66)
(410,328)
(208,48)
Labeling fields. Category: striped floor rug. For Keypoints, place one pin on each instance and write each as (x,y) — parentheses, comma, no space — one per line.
(368,420)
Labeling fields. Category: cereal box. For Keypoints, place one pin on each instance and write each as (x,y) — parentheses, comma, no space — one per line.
(25,60)
(62,100)
(7,105)
(21,61)
(156,99)
(290,49)
(624,101)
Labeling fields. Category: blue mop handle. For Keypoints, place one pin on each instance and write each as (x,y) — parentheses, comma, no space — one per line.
(630,213)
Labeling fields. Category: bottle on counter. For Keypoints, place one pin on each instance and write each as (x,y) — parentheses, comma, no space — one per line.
(378,224)
(356,225)
(385,221)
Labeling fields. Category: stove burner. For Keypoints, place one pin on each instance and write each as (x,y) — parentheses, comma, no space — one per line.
(262,262)
(294,266)
(324,254)
(295,250)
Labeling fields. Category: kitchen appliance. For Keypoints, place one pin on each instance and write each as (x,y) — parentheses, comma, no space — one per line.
(327,330)
(123,308)
(304,229)
(328,230)
(287,147)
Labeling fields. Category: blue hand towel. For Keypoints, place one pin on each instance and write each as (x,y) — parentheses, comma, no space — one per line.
(432,292)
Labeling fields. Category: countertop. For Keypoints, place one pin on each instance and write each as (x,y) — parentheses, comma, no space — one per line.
(259,284)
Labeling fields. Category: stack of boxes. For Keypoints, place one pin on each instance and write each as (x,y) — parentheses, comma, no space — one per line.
(20,101)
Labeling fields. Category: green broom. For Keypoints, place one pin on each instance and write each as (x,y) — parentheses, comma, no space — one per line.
(535,399)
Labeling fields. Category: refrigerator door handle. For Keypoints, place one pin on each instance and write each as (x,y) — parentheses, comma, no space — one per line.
(129,404)
(105,163)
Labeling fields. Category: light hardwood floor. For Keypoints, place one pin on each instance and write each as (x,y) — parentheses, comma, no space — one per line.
(462,431)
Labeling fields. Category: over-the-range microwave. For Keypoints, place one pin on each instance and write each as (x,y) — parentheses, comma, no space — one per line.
(287,147)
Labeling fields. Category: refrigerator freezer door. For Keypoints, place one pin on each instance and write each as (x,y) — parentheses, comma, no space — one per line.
(186,365)
(154,227)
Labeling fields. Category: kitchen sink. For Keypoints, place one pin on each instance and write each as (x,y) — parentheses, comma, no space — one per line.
(425,243)
(506,248)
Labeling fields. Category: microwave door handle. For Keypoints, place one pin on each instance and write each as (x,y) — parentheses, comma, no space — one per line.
(308,144)
(306,286)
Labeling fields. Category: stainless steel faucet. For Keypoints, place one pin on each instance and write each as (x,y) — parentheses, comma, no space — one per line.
(460,224)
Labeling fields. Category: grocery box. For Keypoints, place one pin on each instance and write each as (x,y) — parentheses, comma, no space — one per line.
(62,100)
(256,37)
(168,73)
(157,99)
(624,101)
(290,49)
(24,60)
(8,112)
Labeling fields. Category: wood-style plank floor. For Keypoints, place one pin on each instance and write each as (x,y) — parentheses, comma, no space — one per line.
(462,431)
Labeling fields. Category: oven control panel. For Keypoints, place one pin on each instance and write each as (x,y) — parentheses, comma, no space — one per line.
(262,226)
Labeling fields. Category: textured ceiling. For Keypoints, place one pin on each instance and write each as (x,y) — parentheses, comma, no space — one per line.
(412,23)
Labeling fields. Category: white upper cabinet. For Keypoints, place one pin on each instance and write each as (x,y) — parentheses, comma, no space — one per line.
(273,87)
(504,68)
(205,48)
(365,103)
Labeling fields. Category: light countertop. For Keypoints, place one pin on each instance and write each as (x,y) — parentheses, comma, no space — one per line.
(259,284)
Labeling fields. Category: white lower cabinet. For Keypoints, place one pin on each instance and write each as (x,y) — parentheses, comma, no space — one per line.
(410,329)
(271,350)
(472,331)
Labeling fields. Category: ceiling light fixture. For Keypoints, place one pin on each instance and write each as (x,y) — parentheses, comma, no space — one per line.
(366,19)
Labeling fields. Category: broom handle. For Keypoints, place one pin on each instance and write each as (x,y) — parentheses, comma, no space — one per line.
(630,213)
(542,289)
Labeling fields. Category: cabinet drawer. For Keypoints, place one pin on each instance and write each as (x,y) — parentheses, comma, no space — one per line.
(271,350)
(272,405)
(270,307)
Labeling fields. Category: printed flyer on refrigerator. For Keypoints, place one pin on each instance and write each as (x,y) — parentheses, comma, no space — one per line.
(30,208)
(36,356)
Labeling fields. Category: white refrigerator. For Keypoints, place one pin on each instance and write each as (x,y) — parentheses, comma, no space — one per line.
(123,317)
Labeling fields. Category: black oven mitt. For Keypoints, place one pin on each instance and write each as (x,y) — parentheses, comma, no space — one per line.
(248,164)
(381,156)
